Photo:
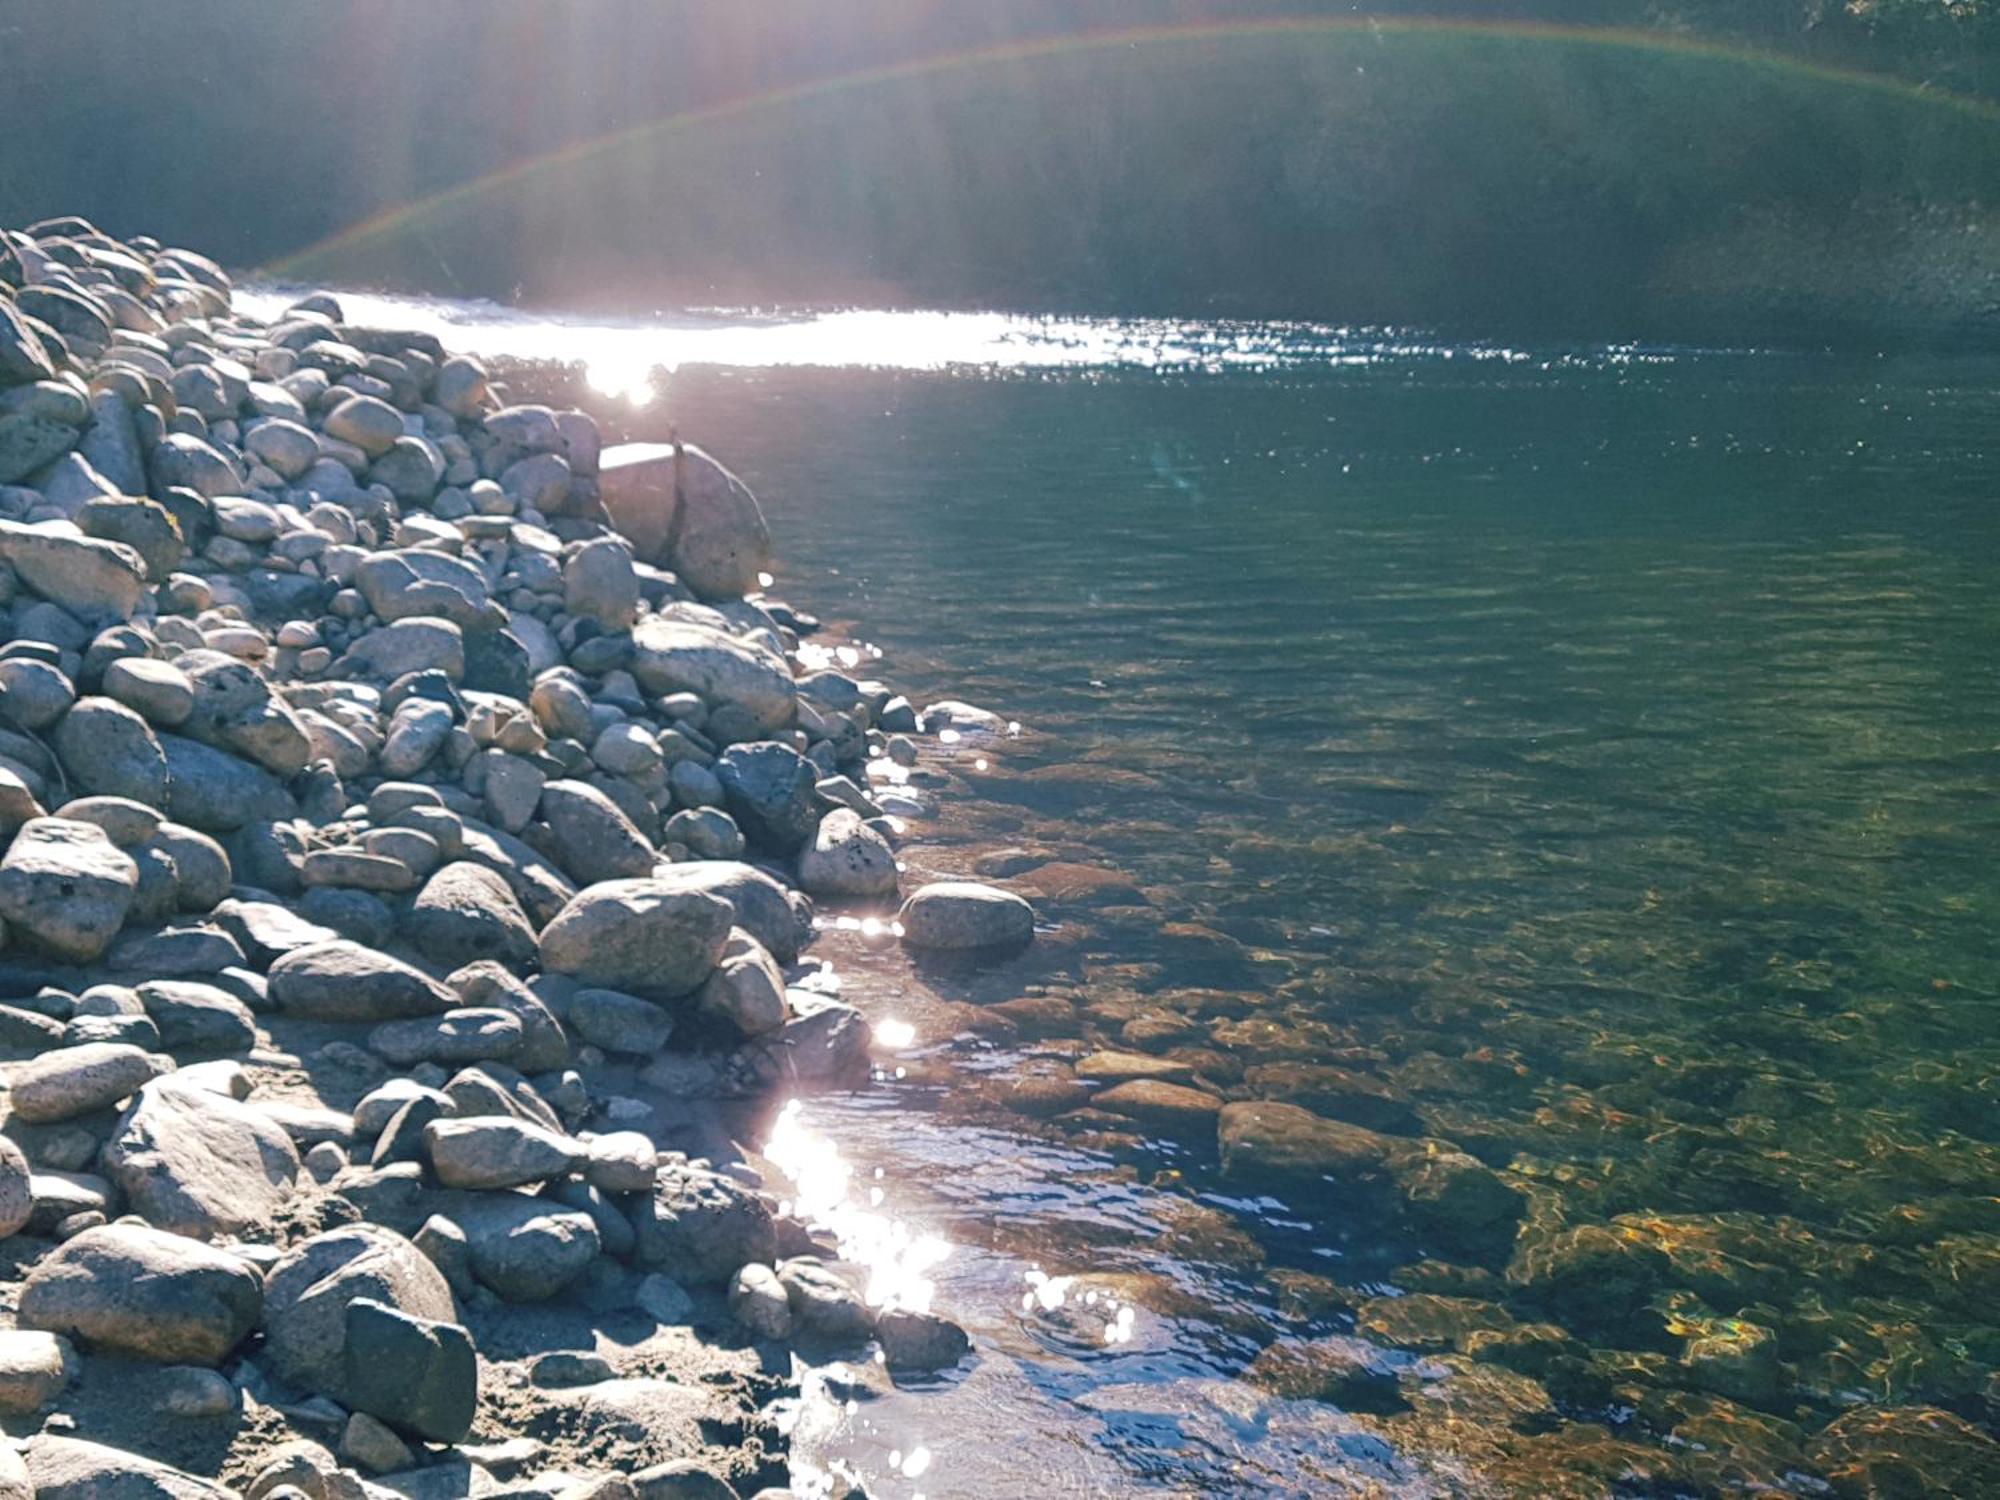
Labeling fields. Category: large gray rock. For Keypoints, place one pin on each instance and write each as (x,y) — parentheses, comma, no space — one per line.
(34,1367)
(590,838)
(307,1293)
(143,1291)
(497,1151)
(679,656)
(474,1034)
(343,981)
(647,937)
(417,1374)
(22,357)
(715,538)
(111,444)
(847,859)
(618,1022)
(109,750)
(199,1163)
(1269,1143)
(64,1468)
(71,1081)
(368,422)
(770,791)
(182,461)
(778,918)
(234,709)
(218,792)
(92,579)
(963,914)
(65,888)
(699,1226)
(599,583)
(467,912)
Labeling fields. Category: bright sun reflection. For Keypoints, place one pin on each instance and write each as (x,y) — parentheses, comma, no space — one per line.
(895,1257)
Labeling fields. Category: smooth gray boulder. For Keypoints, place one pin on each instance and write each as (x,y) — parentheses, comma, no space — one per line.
(144,1292)
(92,579)
(646,937)
(198,1162)
(688,513)
(590,838)
(526,1249)
(343,981)
(498,1151)
(847,859)
(65,1468)
(963,914)
(70,1081)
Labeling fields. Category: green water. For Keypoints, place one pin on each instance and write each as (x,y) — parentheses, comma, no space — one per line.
(1599,755)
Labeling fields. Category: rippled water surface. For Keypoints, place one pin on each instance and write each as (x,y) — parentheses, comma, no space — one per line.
(1585,758)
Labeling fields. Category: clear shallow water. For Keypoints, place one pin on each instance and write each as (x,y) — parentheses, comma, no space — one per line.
(1591,756)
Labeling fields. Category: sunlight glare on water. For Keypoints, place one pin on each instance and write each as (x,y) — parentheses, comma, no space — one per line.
(622,357)
(897,1258)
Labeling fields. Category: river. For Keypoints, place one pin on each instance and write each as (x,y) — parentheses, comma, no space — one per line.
(1585,757)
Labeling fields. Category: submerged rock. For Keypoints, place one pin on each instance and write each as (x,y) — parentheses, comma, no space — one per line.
(962,914)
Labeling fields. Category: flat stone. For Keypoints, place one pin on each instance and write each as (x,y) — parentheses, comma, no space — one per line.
(72,1081)
(343,981)
(71,1469)
(962,914)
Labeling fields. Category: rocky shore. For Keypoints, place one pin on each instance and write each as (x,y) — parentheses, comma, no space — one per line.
(413,811)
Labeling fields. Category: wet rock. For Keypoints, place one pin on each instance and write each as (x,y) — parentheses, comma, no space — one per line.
(65,888)
(417,1374)
(646,937)
(497,1151)
(920,1341)
(1170,1107)
(144,1292)
(1875,1452)
(343,981)
(1287,1147)
(962,914)
(1349,1373)
(198,1162)
(308,1291)
(467,912)
(698,1227)
(758,1302)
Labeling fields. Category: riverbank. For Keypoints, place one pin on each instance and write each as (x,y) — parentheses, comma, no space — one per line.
(415,811)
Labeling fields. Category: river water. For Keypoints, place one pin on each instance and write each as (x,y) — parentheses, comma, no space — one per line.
(1585,757)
